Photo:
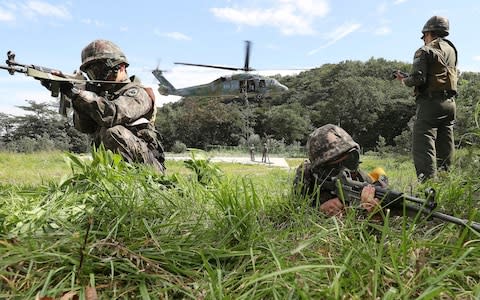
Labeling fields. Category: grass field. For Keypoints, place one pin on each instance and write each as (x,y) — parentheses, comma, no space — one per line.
(101,228)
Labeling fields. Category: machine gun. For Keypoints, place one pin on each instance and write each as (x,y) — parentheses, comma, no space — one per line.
(349,191)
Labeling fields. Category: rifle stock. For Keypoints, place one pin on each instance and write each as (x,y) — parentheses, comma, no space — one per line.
(349,190)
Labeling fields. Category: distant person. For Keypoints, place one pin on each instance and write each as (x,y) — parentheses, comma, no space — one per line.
(330,150)
(434,75)
(265,153)
(252,152)
(120,115)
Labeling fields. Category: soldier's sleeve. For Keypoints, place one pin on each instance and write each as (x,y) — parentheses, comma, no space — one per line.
(418,74)
(84,123)
(133,104)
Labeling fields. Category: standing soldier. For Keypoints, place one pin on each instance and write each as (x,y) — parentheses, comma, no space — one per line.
(117,110)
(265,153)
(434,75)
(252,152)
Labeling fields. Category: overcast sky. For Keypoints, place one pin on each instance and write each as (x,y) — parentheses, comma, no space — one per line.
(285,34)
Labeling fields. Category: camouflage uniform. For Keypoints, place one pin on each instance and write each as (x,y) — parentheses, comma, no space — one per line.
(434,76)
(307,182)
(121,116)
(326,145)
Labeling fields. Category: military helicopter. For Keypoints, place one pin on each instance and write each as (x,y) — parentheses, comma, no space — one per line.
(245,84)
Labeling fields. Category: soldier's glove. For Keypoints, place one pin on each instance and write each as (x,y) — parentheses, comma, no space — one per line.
(332,207)
(51,85)
(81,99)
(368,200)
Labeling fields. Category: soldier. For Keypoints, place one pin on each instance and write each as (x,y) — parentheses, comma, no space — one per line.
(330,149)
(118,115)
(434,75)
(265,156)
(252,152)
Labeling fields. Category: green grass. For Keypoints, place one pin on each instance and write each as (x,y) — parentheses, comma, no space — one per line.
(34,168)
(221,231)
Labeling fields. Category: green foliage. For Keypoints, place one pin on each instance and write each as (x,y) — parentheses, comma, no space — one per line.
(127,232)
(468,109)
(199,123)
(40,129)
(179,147)
(205,172)
(287,122)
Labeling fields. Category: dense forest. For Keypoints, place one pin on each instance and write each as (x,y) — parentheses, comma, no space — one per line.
(359,96)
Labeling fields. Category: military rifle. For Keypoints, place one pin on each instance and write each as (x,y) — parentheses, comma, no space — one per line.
(349,191)
(39,72)
(55,80)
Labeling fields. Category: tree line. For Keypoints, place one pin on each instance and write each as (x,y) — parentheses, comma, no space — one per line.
(359,96)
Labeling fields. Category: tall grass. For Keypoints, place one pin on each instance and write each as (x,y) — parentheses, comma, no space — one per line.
(126,232)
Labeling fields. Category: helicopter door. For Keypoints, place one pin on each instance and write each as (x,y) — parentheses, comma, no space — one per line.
(243,86)
(261,84)
(250,86)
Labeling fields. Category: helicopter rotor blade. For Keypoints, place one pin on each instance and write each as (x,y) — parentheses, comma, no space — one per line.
(246,67)
(247,56)
(209,66)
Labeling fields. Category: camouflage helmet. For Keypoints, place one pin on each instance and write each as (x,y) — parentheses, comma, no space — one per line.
(327,143)
(102,50)
(437,24)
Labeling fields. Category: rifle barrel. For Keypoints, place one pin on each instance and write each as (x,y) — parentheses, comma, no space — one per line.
(11,70)
(455,220)
(395,199)
(442,216)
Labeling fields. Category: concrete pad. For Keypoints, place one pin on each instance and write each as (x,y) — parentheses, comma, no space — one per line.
(272,162)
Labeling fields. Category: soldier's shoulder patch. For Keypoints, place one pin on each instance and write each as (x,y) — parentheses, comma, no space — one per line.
(132,92)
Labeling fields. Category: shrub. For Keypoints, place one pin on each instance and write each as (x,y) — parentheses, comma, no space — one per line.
(178,147)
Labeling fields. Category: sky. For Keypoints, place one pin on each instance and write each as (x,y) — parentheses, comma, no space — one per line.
(285,35)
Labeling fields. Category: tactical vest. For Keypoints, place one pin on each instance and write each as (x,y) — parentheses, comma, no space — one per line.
(441,76)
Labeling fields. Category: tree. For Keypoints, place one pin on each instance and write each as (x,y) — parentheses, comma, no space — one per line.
(200,123)
(6,127)
(41,128)
(468,105)
(287,122)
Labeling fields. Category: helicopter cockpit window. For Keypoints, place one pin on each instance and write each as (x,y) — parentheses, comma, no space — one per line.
(261,84)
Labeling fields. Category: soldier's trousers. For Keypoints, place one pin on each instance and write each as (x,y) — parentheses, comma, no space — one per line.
(132,148)
(433,142)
